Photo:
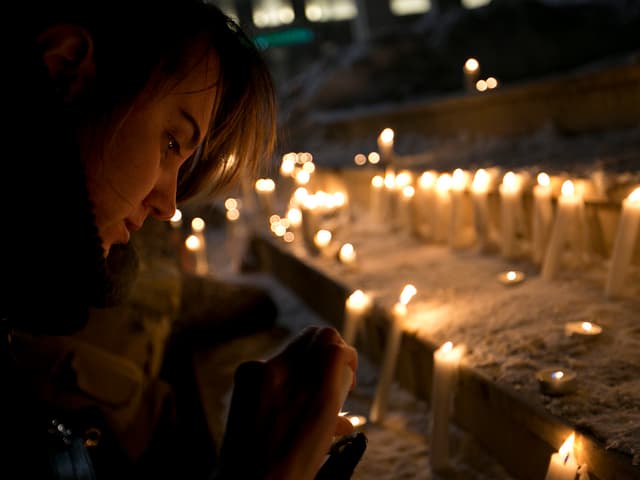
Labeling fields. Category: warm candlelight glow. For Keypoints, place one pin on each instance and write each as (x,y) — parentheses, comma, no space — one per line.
(543,179)
(322,238)
(408,191)
(481,181)
(582,329)
(197,224)
(374,158)
(444,183)
(471,65)
(230,203)
(567,447)
(233,214)
(510,181)
(427,180)
(407,294)
(288,165)
(377,181)
(358,300)
(303,177)
(458,179)
(481,85)
(193,243)
(568,189)
(446,347)
(511,277)
(634,197)
(177,216)
(587,326)
(359,159)
(289,237)
(492,83)
(295,216)
(347,253)
(265,185)
(557,375)
(357,420)
(309,167)
(389,180)
(386,136)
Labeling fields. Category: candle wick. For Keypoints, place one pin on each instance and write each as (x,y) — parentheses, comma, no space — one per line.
(566,458)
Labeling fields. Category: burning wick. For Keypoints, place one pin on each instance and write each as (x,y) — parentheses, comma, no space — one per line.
(555,381)
(511,277)
(582,329)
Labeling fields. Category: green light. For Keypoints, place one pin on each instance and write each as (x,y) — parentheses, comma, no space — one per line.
(291,36)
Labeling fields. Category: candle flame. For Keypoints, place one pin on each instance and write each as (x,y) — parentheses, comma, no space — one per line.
(389,180)
(566,448)
(402,179)
(557,375)
(481,85)
(427,180)
(480,180)
(359,159)
(230,203)
(322,238)
(302,177)
(543,179)
(511,275)
(634,196)
(233,214)
(492,83)
(587,326)
(386,136)
(446,347)
(265,185)
(288,165)
(510,180)
(458,179)
(471,65)
(358,300)
(177,216)
(408,191)
(443,184)
(568,189)
(193,243)
(377,181)
(295,216)
(407,294)
(347,253)
(374,158)
(197,224)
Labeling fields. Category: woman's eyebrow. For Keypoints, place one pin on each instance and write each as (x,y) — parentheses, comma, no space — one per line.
(195,129)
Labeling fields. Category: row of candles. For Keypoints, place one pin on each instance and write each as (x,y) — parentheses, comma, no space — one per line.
(563,464)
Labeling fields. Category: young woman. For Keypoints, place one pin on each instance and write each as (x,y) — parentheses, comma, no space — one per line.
(115,112)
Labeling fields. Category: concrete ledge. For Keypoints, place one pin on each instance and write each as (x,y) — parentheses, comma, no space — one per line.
(520,434)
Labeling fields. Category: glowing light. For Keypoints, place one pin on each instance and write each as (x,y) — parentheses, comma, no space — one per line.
(295,216)
(233,214)
(359,159)
(386,136)
(481,180)
(427,180)
(567,447)
(407,294)
(634,197)
(446,347)
(568,189)
(481,85)
(377,181)
(193,243)
(358,300)
(543,179)
(265,185)
(289,237)
(491,83)
(347,253)
(510,181)
(408,191)
(471,65)
(303,177)
(197,224)
(443,184)
(177,216)
(557,375)
(322,238)
(374,158)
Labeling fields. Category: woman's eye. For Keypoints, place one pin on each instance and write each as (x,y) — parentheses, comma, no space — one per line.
(173,144)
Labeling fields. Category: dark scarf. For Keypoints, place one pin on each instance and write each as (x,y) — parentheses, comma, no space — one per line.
(50,253)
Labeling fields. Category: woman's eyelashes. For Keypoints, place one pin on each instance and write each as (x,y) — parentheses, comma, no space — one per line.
(173,146)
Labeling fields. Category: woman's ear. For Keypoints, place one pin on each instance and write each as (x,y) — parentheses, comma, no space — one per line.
(67,51)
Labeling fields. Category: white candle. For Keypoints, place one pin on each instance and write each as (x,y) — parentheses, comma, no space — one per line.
(510,198)
(626,236)
(446,361)
(443,208)
(480,199)
(387,371)
(356,307)
(405,210)
(542,216)
(376,200)
(458,186)
(563,465)
(385,146)
(566,226)
(424,205)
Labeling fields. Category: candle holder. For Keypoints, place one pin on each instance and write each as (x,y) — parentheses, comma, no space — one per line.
(582,329)
(511,277)
(556,381)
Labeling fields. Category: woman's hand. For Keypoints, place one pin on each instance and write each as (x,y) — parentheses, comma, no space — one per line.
(284,411)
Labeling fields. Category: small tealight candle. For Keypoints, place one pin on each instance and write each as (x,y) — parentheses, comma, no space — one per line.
(471,71)
(582,329)
(511,277)
(556,381)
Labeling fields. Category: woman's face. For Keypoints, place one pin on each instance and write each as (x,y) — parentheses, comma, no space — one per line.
(137,175)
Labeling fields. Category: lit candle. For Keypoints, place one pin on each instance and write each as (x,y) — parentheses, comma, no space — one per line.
(542,216)
(405,210)
(234,234)
(376,200)
(385,146)
(510,206)
(265,188)
(443,208)
(446,360)
(194,244)
(582,329)
(424,205)
(456,193)
(626,235)
(471,71)
(176,219)
(387,371)
(563,465)
(556,381)
(356,306)
(565,227)
(480,199)
(511,277)
(322,241)
(202,265)
(347,255)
